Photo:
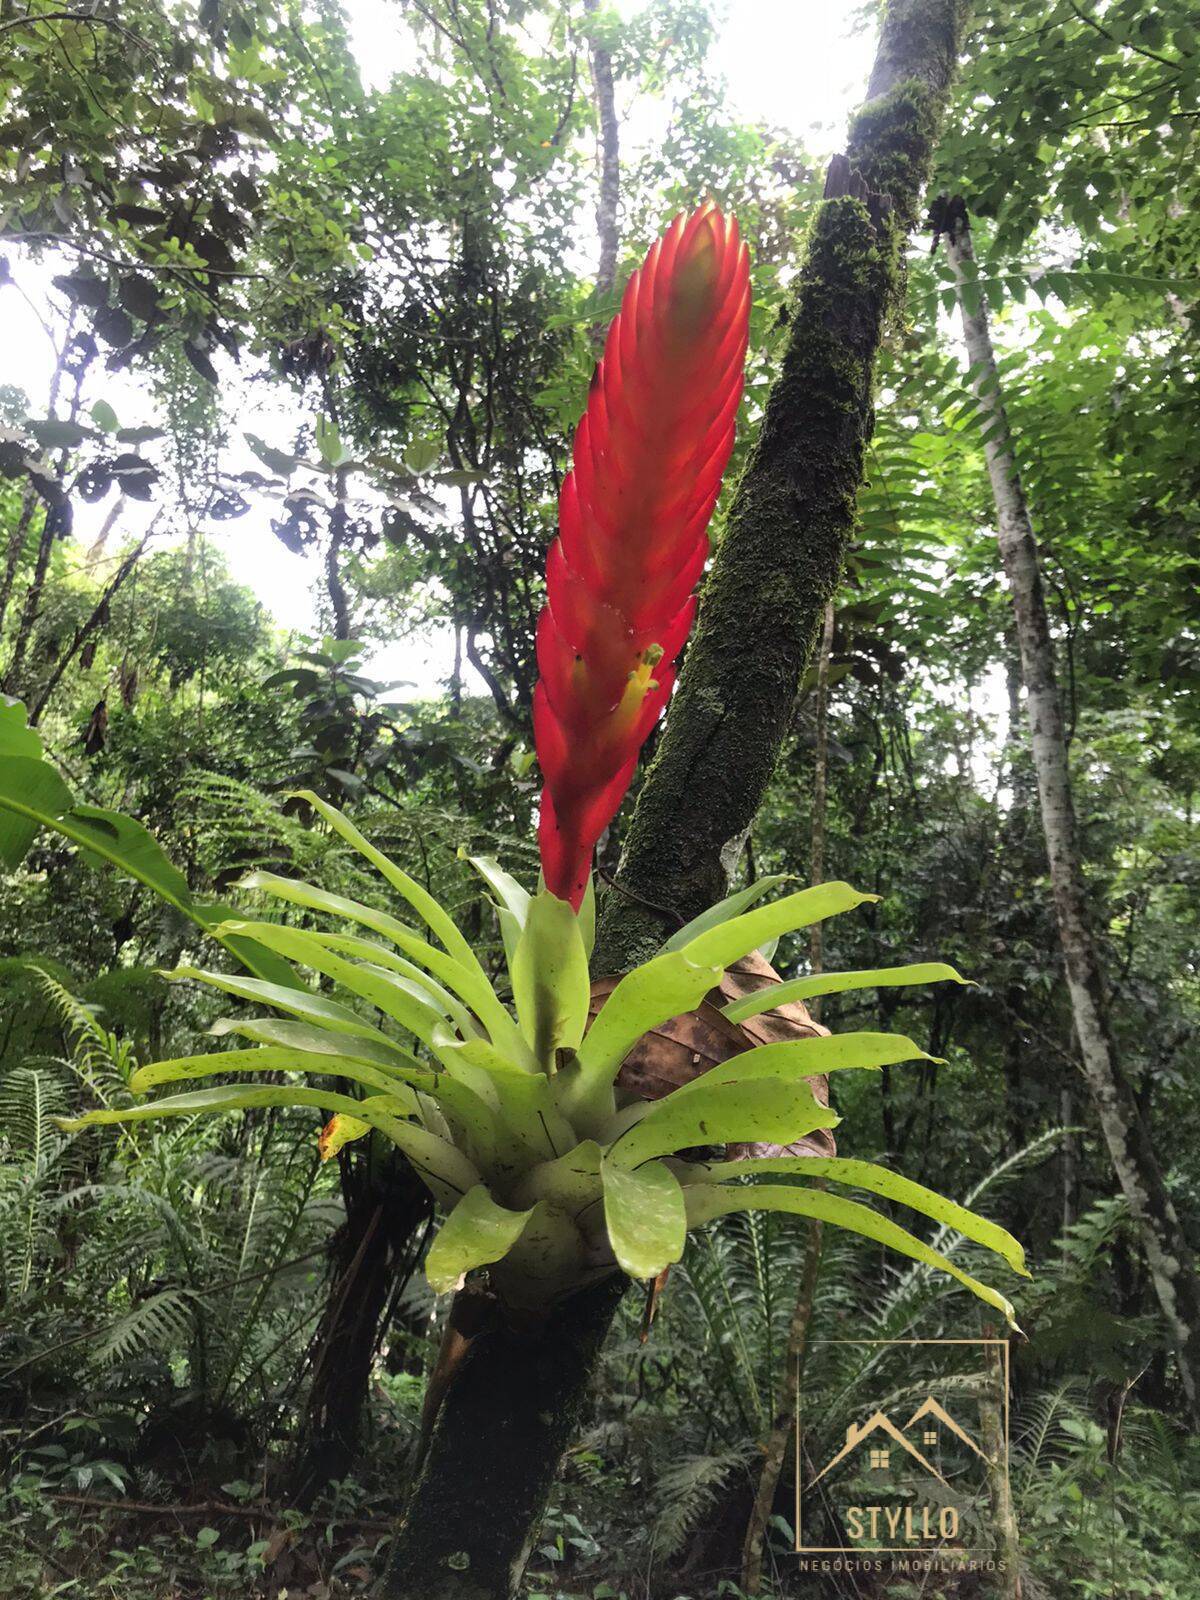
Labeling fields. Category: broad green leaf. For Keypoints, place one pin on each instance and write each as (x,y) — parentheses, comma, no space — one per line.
(729,941)
(476,1233)
(484,1003)
(379,988)
(44,792)
(778,994)
(32,791)
(303,1036)
(807,1058)
(523,1094)
(732,906)
(645,1217)
(297,1002)
(662,988)
(445,1170)
(772,1110)
(866,1175)
(550,979)
(571,1182)
(275,1058)
(705,1202)
(464,982)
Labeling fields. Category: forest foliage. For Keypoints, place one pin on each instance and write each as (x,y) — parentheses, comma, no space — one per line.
(356,325)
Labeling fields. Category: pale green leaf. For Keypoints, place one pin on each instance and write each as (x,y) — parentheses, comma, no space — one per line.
(445,1170)
(645,1217)
(732,906)
(705,1202)
(778,994)
(807,1058)
(476,1233)
(550,979)
(878,1180)
(766,1110)
(729,941)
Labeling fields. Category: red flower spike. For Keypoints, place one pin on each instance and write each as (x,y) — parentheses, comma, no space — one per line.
(633,515)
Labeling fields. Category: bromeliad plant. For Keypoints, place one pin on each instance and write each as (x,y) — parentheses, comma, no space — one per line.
(504,1099)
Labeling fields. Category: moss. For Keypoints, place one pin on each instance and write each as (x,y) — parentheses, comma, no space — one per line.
(793,510)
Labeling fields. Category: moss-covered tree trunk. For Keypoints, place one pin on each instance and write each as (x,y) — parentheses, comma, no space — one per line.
(513,1397)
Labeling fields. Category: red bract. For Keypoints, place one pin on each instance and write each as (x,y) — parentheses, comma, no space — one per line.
(633,518)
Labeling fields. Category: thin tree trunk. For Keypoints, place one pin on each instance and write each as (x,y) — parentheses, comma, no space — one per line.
(31,610)
(16,548)
(1129,1141)
(993,1405)
(820,798)
(785,1413)
(608,167)
(85,630)
(510,1406)
(776,1445)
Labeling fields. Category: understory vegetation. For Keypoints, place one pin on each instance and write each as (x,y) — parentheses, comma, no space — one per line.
(285,327)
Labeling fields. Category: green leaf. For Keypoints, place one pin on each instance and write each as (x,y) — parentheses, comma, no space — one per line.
(465,982)
(571,1182)
(105,417)
(422,454)
(274,1058)
(866,1175)
(293,998)
(733,905)
(550,979)
(476,1233)
(839,983)
(389,993)
(704,1203)
(312,1040)
(485,1005)
(808,1058)
(17,739)
(771,1110)
(512,902)
(645,1216)
(729,941)
(445,1170)
(57,433)
(33,791)
(666,986)
(278,461)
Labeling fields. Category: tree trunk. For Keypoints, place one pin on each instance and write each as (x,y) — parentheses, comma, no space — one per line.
(374,1253)
(510,1407)
(793,511)
(1130,1144)
(785,1411)
(789,1388)
(507,1413)
(608,169)
(993,1406)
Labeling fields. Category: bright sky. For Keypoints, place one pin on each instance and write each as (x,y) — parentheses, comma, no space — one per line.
(797,64)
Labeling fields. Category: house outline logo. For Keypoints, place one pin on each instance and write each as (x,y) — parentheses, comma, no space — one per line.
(879,1433)
(858,1433)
